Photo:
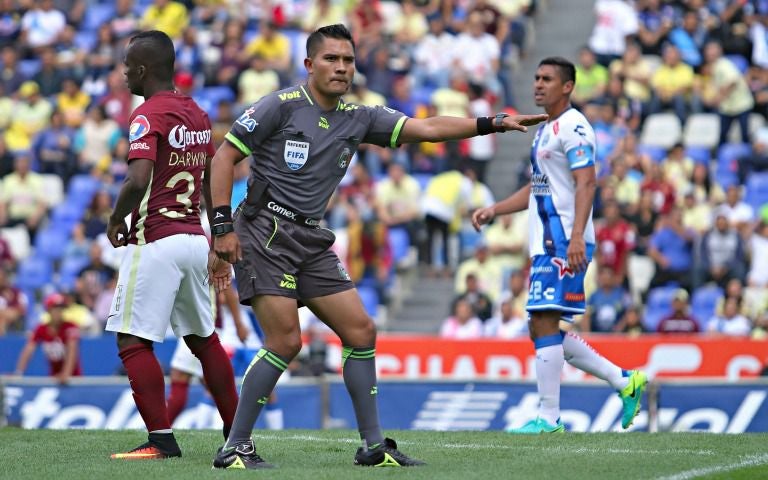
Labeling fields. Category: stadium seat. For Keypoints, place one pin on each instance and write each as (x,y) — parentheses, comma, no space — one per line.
(469,239)
(704,303)
(640,270)
(399,243)
(728,156)
(53,187)
(28,68)
(67,214)
(86,40)
(97,14)
(82,188)
(699,154)
(661,130)
(69,271)
(423,179)
(739,61)
(217,94)
(370,299)
(702,130)
(51,243)
(33,273)
(18,239)
(659,304)
(656,153)
(757,190)
(755,122)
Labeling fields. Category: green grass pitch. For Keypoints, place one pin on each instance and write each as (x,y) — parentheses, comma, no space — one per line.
(317,455)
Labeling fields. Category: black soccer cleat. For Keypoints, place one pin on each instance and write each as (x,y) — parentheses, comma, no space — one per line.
(242,457)
(159,446)
(385,455)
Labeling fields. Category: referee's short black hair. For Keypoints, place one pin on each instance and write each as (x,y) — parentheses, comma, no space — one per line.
(565,68)
(156,51)
(337,31)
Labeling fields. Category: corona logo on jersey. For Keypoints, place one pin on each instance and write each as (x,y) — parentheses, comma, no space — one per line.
(295,154)
(181,137)
(139,127)
(562,267)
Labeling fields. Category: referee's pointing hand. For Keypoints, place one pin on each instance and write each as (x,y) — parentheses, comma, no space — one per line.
(521,122)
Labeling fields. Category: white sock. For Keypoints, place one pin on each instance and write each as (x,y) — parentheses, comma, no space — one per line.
(549,368)
(274,418)
(582,356)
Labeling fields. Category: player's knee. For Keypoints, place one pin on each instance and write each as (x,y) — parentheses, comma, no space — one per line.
(287,346)
(125,340)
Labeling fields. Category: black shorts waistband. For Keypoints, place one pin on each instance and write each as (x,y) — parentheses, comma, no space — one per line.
(288,213)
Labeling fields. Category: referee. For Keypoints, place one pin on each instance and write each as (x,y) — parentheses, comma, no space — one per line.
(301,140)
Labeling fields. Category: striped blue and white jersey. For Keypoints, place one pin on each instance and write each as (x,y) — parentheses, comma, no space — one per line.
(561,145)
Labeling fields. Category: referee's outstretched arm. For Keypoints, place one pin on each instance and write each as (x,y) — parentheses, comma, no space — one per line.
(440,129)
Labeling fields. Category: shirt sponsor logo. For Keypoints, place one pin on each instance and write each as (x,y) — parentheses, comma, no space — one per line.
(540,185)
(546,269)
(281,210)
(580,130)
(139,146)
(139,127)
(289,95)
(181,137)
(323,123)
(295,154)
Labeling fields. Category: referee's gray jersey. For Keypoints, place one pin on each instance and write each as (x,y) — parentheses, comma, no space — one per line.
(302,151)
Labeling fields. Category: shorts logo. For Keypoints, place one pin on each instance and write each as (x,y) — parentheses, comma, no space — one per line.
(139,127)
(288,281)
(295,154)
(574,297)
(562,268)
(344,158)
(343,272)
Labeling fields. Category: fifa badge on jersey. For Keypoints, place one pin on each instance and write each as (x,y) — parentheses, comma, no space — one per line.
(342,272)
(295,154)
(344,158)
(139,127)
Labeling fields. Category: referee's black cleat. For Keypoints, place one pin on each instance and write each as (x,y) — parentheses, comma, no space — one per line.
(243,457)
(385,455)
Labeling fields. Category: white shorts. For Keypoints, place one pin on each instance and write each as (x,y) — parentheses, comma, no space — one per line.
(164,282)
(185,361)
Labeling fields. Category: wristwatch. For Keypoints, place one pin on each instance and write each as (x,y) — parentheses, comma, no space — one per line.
(222,229)
(498,122)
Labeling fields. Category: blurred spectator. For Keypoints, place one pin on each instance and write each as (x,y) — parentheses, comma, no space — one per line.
(452,101)
(256,81)
(735,100)
(615,240)
(507,323)
(103,58)
(697,216)
(10,76)
(6,158)
(636,72)
(679,320)
(482,66)
(507,240)
(367,24)
(72,103)
(362,95)
(10,23)
(368,251)
(378,70)
(487,273)
(616,21)
(627,187)
(433,56)
(125,21)
(117,101)
(678,169)
(722,253)
(77,314)
(167,16)
(643,219)
(631,322)
(662,190)
(41,25)
(50,77)
(758,256)
(410,25)
(443,203)
(480,197)
(7,259)
(655,22)
(593,79)
(53,148)
(704,189)
(462,324)
(188,52)
(60,341)
(482,148)
(672,252)
(322,12)
(757,159)
(689,37)
(730,322)
(13,303)
(93,277)
(397,202)
(24,199)
(70,58)
(31,115)
(606,305)
(79,245)
(739,213)
(184,82)
(482,305)
(103,302)
(7,105)
(760,332)
(731,31)
(628,111)
(672,84)
(517,291)
(274,48)
(95,141)
(97,215)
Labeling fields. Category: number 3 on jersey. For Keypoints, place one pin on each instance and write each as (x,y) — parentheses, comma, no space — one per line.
(183,198)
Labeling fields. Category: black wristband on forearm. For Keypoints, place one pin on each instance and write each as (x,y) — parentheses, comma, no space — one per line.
(485,125)
(221,215)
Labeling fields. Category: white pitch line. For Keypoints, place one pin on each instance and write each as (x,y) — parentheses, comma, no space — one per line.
(748,461)
(480,446)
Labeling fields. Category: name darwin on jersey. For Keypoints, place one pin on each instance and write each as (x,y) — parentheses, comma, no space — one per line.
(181,137)
(187,159)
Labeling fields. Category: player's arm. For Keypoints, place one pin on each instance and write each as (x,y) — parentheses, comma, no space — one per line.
(586,184)
(440,129)
(24,356)
(70,358)
(225,243)
(514,203)
(133,189)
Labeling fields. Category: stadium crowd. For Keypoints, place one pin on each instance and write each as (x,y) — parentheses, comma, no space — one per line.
(682,227)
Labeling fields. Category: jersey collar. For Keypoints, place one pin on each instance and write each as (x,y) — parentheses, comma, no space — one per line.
(308,95)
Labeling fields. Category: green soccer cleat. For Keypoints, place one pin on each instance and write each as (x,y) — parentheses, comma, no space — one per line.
(242,457)
(539,425)
(631,395)
(385,455)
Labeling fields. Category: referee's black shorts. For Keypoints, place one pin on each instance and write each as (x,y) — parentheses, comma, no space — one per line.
(285,259)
